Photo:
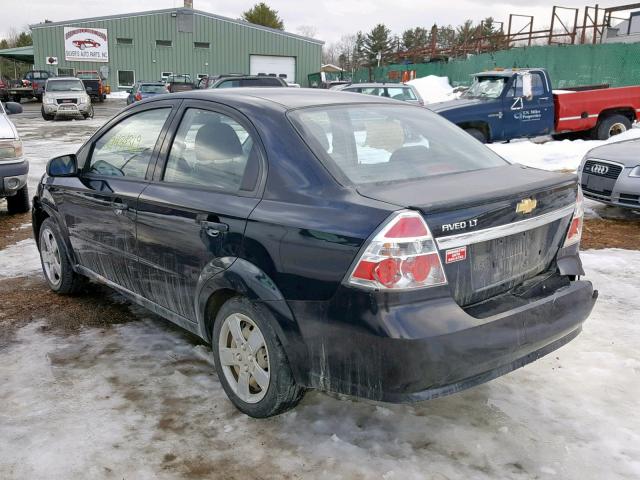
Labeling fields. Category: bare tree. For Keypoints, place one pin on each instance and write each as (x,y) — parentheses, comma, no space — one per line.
(307,31)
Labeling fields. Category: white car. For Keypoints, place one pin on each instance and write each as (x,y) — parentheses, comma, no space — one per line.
(66,97)
(13,166)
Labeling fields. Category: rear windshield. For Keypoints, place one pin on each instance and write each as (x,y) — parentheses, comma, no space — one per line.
(371,143)
(153,89)
(179,79)
(65,86)
(250,82)
(88,76)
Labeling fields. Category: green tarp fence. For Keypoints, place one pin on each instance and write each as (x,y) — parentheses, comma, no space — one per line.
(617,64)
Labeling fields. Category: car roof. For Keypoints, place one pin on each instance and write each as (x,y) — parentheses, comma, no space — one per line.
(373,84)
(286,98)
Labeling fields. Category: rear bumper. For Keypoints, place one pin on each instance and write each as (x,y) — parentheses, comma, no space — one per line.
(418,351)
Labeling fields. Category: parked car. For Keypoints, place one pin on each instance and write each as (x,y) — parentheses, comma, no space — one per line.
(397,91)
(66,97)
(93,84)
(611,174)
(179,83)
(32,85)
(378,251)
(13,166)
(236,81)
(142,90)
(506,104)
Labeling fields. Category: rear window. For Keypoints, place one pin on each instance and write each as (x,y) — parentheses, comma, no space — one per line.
(153,89)
(388,143)
(250,82)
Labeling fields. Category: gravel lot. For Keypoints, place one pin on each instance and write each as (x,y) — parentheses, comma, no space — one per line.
(93,387)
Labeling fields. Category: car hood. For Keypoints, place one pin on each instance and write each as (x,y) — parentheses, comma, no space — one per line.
(7,129)
(626,152)
(457,103)
(68,94)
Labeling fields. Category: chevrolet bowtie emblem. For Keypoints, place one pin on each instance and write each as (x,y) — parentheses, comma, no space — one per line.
(527,205)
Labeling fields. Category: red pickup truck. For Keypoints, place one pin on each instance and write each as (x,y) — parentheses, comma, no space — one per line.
(505,104)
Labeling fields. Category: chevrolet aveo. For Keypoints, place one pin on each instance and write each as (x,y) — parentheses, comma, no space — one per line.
(321,240)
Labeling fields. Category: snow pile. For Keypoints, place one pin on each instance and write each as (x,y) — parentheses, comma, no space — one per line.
(118,95)
(20,260)
(433,89)
(562,155)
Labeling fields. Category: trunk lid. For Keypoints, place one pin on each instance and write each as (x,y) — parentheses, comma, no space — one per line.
(510,222)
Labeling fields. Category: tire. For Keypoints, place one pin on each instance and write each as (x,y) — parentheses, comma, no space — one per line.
(260,352)
(477,134)
(45,116)
(611,126)
(90,114)
(56,266)
(19,203)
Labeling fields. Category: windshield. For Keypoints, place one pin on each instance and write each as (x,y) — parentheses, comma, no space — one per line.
(389,143)
(152,89)
(486,87)
(65,86)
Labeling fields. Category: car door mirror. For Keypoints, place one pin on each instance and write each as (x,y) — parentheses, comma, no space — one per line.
(527,86)
(63,166)
(12,108)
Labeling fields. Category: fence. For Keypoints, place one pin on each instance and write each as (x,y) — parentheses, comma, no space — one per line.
(617,64)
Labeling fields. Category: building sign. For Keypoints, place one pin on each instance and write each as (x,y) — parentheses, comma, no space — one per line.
(86,44)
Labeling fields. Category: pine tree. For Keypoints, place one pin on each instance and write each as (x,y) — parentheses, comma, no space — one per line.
(262,14)
(376,42)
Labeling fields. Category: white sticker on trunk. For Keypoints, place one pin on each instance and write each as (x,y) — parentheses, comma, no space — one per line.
(456,254)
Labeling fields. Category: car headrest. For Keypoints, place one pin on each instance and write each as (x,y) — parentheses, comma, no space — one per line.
(412,154)
(217,141)
(384,134)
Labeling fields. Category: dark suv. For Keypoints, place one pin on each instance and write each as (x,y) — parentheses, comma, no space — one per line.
(321,239)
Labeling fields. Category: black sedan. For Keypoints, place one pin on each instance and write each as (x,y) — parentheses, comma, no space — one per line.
(320,240)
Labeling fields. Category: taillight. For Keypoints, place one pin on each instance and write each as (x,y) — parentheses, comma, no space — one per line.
(574,234)
(402,255)
(138,96)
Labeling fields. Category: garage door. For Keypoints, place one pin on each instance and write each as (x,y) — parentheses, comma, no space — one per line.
(270,65)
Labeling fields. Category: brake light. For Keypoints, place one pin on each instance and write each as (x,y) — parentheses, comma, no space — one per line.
(574,234)
(138,96)
(402,255)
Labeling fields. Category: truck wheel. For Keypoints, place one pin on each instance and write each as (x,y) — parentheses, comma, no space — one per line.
(89,114)
(477,134)
(612,125)
(250,360)
(45,116)
(19,203)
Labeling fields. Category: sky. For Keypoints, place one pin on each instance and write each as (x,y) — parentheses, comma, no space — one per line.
(330,18)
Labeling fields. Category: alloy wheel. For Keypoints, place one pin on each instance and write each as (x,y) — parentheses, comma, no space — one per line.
(50,254)
(244,358)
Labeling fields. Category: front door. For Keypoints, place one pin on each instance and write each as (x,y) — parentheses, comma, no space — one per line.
(100,204)
(528,116)
(192,216)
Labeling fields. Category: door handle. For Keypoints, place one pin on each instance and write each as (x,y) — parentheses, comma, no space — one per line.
(213,229)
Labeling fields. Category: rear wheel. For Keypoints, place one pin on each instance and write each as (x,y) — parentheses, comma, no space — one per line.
(611,126)
(19,203)
(251,362)
(477,134)
(55,263)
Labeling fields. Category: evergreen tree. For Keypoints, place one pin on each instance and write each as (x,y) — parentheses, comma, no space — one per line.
(378,41)
(262,14)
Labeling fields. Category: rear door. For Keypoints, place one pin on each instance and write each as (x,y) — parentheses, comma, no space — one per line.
(192,216)
(99,206)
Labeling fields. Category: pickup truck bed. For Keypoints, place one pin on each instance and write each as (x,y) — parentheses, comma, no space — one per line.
(581,110)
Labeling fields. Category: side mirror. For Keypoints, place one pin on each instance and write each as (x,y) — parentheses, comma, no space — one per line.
(12,108)
(527,86)
(63,166)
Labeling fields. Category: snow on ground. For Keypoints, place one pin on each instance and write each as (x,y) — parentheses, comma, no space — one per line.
(433,89)
(19,260)
(554,155)
(118,95)
(140,400)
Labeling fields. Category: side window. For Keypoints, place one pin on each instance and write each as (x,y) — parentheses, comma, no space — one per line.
(212,150)
(126,149)
(537,84)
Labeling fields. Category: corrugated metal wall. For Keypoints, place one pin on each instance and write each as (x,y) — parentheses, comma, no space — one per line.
(231,44)
(569,66)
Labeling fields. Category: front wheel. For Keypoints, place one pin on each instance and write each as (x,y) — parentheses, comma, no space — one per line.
(611,126)
(477,134)
(89,114)
(250,360)
(46,116)
(19,203)
(56,266)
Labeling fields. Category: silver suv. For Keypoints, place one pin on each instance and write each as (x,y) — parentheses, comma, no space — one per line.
(66,97)
(13,166)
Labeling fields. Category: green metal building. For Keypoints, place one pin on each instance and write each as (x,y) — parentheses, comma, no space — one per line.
(151,45)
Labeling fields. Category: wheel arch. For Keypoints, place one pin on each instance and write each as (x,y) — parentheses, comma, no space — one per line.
(627,111)
(478,125)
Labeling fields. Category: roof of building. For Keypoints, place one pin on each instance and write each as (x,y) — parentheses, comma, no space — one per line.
(170,10)
(24,54)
